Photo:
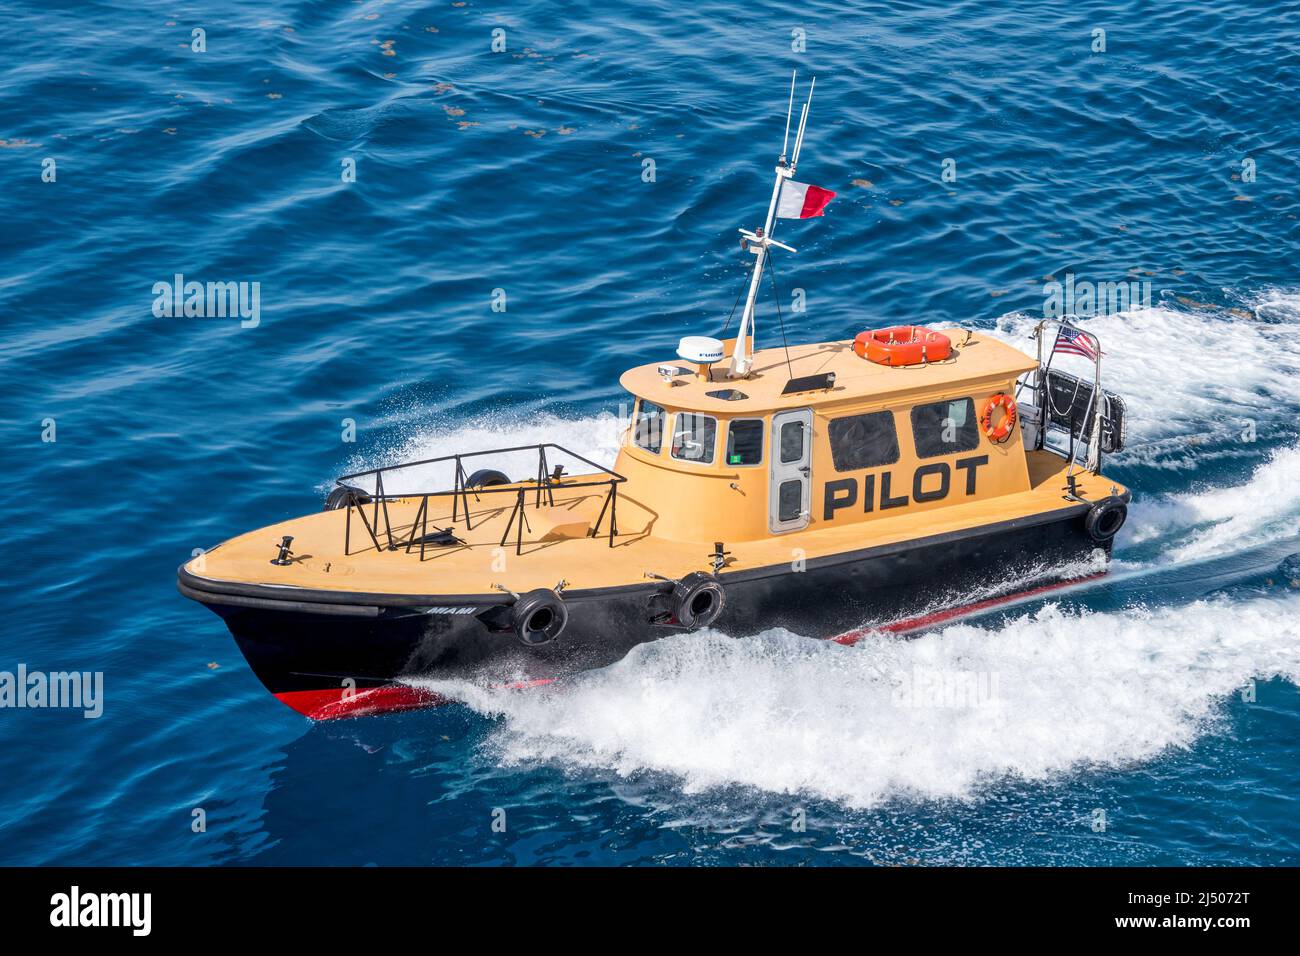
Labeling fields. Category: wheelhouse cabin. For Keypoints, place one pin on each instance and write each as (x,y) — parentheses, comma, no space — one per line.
(821,436)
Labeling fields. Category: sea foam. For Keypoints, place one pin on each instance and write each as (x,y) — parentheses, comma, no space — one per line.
(1040,696)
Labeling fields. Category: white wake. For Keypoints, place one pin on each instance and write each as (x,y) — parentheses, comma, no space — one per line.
(1040,696)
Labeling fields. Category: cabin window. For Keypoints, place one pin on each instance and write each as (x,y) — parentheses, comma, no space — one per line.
(791,442)
(863,441)
(745,441)
(694,437)
(648,426)
(789,500)
(944,428)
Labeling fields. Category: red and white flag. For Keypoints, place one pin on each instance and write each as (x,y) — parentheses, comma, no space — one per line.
(801,201)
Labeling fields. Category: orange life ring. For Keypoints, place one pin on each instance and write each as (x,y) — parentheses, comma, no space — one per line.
(1003,431)
(902,345)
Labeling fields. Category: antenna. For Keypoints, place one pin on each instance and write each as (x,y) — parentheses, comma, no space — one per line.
(803,122)
(760,241)
(798,136)
(788,111)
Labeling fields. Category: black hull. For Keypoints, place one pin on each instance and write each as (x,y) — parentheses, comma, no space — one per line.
(314,649)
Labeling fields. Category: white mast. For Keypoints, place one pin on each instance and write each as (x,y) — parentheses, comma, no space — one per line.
(742,359)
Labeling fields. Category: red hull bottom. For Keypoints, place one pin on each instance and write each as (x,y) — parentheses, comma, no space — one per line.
(334,704)
(908,625)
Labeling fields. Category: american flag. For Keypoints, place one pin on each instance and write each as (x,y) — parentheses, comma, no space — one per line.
(1075,341)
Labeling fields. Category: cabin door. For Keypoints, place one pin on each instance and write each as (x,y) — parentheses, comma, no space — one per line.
(791,488)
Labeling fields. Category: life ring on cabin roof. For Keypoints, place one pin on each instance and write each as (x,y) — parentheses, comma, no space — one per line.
(902,345)
(1003,430)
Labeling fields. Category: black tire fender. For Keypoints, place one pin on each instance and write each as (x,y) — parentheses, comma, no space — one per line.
(1105,518)
(344,495)
(539,617)
(698,599)
(486,478)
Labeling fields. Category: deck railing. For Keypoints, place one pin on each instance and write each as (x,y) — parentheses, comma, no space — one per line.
(543,487)
(1091,413)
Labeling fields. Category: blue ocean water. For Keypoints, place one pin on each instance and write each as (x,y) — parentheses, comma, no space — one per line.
(1152,719)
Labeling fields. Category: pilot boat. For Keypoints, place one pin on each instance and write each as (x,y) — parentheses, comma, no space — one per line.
(889,480)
